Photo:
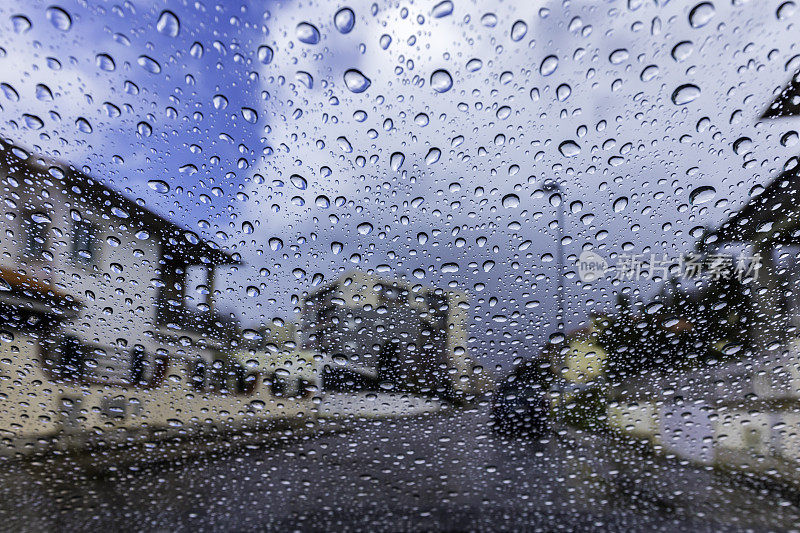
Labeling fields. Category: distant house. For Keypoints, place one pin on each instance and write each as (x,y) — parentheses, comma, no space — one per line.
(393,334)
(113,271)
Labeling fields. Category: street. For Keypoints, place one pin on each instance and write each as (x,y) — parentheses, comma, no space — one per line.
(433,472)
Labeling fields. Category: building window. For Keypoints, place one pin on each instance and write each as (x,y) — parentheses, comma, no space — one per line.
(84,241)
(35,226)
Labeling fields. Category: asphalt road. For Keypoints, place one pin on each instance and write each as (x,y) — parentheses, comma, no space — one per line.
(432,472)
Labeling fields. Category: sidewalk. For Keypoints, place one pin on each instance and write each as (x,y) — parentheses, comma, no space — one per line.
(376,405)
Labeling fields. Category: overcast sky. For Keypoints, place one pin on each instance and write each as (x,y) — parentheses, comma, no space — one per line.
(266,148)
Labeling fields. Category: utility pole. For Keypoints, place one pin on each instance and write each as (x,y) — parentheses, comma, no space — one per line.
(557,199)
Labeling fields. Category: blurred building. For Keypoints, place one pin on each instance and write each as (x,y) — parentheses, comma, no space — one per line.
(390,334)
(64,233)
(741,415)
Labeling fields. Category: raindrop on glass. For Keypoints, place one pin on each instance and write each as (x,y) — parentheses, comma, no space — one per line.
(307,33)
(518,30)
(569,148)
(685,93)
(149,64)
(344,20)
(265,54)
(59,18)
(168,24)
(433,156)
(441,81)
(442,9)
(21,23)
(549,65)
(105,62)
(701,14)
(356,81)
(702,194)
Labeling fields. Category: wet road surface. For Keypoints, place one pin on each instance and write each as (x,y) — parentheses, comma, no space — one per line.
(432,472)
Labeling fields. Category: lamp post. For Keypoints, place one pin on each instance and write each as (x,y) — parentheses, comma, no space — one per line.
(554,188)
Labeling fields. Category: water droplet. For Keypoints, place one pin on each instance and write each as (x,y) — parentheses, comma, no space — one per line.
(702,194)
(701,14)
(742,144)
(83,125)
(344,144)
(510,201)
(685,93)
(648,73)
(59,18)
(196,50)
(785,10)
(620,204)
(21,23)
(442,9)
(344,20)
(299,182)
(569,148)
(219,101)
(489,20)
(9,92)
(474,65)
(149,64)
(43,93)
(503,112)
(563,91)
(518,30)
(265,54)
(618,56)
(356,81)
(385,41)
(682,50)
(549,65)
(275,244)
(250,115)
(365,228)
(144,129)
(168,24)
(433,156)
(450,268)
(307,33)
(41,218)
(105,62)
(441,81)
(160,186)
(396,160)
(421,120)
(32,121)
(789,138)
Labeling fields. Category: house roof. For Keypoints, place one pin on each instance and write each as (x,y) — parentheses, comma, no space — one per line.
(787,103)
(22,291)
(182,245)
(773,215)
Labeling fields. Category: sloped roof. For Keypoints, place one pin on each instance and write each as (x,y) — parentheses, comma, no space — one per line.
(23,291)
(787,103)
(184,245)
(773,214)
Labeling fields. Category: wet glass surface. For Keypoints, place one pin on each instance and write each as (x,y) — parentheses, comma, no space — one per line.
(399,265)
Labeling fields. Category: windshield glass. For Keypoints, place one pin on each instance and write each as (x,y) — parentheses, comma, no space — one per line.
(400,265)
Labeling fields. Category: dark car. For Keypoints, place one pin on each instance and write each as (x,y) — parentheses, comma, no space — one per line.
(521,404)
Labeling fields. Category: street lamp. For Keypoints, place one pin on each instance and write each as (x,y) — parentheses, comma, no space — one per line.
(554,187)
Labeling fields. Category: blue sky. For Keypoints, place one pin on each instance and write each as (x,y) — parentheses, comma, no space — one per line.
(311,165)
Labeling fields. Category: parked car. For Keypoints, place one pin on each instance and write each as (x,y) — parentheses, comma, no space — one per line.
(520,405)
